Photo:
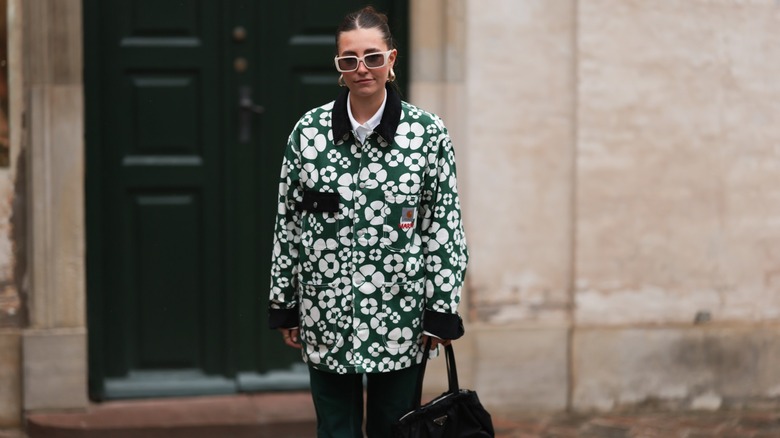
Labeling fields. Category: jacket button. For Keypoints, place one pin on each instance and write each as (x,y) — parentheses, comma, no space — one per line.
(362,185)
(314,205)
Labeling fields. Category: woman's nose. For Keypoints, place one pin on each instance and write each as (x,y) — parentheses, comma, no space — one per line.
(362,66)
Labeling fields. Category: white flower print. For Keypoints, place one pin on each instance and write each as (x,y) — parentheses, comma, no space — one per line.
(409,135)
(414,162)
(375,255)
(386,364)
(390,187)
(415,113)
(371,277)
(327,299)
(444,280)
(369,306)
(374,172)
(312,143)
(361,333)
(394,263)
(284,262)
(334,156)
(374,154)
(360,200)
(346,186)
(449,246)
(325,119)
(395,158)
(310,313)
(433,263)
(328,174)
(408,304)
(454,258)
(409,183)
(316,278)
(370,236)
(329,266)
(400,339)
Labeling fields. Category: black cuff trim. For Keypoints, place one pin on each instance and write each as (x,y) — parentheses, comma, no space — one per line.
(443,325)
(283,318)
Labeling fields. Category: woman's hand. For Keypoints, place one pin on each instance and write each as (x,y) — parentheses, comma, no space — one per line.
(291,337)
(435,342)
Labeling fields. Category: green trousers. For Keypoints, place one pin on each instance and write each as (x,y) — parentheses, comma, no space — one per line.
(338,401)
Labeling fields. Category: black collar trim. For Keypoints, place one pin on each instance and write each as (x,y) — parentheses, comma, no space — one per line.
(387,126)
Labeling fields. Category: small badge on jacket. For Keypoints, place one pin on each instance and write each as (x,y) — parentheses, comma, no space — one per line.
(408,215)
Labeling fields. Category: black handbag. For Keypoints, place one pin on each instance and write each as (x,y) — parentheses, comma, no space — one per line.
(456,413)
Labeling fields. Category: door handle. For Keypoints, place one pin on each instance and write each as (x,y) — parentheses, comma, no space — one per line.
(246,110)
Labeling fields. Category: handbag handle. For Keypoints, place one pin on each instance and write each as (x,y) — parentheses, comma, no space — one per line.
(452,372)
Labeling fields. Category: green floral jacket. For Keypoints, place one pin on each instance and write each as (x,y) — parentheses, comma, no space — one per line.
(369,248)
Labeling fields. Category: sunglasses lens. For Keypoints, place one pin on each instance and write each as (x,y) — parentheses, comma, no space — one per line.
(348,63)
(374,60)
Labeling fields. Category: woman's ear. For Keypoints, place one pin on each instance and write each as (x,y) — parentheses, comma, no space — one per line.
(391,59)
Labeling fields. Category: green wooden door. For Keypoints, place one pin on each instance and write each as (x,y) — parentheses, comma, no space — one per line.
(188,105)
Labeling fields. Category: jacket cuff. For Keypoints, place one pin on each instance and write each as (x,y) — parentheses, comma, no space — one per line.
(443,325)
(283,318)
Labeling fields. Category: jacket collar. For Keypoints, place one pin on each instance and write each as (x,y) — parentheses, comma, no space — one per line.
(387,126)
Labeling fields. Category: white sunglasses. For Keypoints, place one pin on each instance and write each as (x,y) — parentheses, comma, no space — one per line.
(350,63)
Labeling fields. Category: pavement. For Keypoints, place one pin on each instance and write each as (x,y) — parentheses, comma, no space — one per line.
(290,415)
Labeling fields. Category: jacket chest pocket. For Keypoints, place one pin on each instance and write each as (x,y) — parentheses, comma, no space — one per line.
(319,220)
(400,222)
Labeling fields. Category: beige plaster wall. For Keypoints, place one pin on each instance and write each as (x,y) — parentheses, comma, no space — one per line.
(678,188)
(520,127)
(622,171)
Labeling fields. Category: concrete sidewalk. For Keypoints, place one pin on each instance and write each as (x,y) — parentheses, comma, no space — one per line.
(291,415)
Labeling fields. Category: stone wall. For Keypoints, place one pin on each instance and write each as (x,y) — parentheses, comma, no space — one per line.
(622,201)
(678,202)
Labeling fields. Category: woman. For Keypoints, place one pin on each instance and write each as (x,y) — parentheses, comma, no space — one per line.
(369,250)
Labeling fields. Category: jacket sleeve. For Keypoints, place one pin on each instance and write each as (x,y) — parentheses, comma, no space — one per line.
(443,241)
(283,301)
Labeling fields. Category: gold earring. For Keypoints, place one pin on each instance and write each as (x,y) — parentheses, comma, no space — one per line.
(341,81)
(391,77)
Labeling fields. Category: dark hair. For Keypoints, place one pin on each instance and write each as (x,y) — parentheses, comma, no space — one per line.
(366,18)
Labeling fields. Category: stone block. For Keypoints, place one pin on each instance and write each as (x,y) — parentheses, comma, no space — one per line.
(521,369)
(684,368)
(55,369)
(57,296)
(53,35)
(10,379)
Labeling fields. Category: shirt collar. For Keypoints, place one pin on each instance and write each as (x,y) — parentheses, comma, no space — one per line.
(371,123)
(388,122)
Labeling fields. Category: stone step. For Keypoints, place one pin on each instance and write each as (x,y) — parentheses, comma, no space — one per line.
(277,415)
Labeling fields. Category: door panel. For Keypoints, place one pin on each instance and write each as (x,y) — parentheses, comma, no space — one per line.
(180,207)
(161,200)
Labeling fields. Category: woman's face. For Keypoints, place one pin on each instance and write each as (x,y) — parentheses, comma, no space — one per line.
(365,82)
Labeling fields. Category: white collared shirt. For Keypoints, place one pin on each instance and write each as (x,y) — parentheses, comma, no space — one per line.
(362,131)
